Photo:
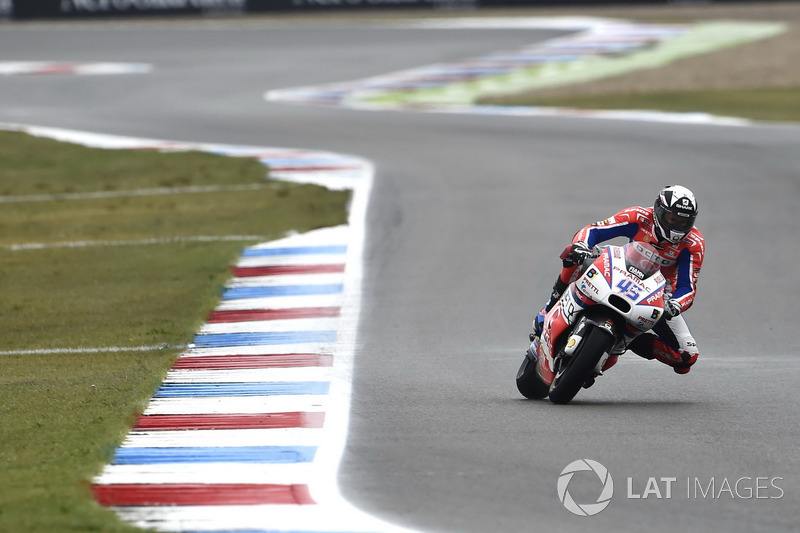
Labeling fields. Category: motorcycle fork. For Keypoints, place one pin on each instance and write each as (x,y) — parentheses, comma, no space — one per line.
(565,351)
(571,342)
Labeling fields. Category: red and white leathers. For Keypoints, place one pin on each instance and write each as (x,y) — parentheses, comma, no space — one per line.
(672,342)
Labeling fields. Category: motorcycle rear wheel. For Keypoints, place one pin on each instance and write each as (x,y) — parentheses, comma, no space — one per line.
(579,368)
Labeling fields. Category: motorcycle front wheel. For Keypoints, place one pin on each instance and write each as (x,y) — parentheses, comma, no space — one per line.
(580,367)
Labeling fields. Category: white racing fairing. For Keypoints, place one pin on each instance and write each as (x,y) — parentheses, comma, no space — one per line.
(627,279)
(616,296)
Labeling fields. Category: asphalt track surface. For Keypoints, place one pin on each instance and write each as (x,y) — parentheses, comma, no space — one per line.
(466,219)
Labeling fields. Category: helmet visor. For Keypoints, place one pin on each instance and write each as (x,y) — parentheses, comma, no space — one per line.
(674,221)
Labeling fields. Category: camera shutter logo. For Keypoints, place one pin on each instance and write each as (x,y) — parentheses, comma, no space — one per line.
(587,509)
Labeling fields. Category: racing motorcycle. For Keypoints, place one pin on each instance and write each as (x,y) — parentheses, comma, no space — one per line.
(617,296)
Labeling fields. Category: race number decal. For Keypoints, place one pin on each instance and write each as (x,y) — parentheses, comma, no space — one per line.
(629,289)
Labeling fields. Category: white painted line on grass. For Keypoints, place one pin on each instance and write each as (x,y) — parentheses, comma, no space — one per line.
(102,349)
(133,242)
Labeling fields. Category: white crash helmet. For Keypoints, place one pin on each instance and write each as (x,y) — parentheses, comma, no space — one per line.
(674,213)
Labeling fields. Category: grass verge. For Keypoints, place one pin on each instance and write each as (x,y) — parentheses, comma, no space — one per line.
(64,414)
(755,80)
(767,104)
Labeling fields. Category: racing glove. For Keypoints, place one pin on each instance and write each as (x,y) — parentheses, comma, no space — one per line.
(575,254)
(671,309)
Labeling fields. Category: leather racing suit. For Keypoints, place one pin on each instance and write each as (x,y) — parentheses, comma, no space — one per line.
(670,342)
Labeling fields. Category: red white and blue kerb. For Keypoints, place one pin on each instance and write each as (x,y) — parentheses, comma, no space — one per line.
(247,430)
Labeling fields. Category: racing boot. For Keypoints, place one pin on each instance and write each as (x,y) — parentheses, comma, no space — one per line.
(538,322)
(650,346)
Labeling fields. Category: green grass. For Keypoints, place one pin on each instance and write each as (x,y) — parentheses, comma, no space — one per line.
(64,414)
(110,296)
(33,165)
(271,210)
(764,104)
(62,418)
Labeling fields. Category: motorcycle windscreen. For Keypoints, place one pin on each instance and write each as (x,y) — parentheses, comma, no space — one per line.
(641,259)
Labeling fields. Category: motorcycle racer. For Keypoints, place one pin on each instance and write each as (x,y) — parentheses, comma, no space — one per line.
(669,227)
